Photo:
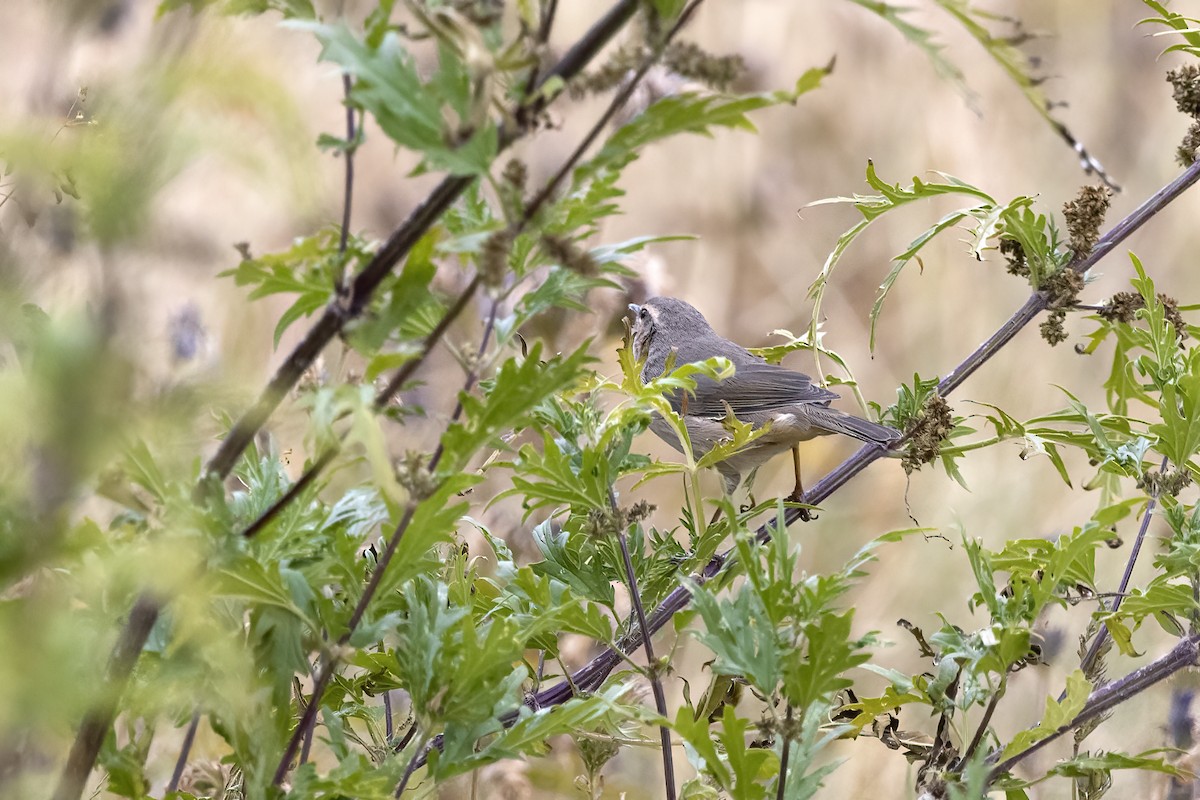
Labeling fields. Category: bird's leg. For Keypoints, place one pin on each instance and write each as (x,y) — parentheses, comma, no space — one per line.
(749,492)
(797,495)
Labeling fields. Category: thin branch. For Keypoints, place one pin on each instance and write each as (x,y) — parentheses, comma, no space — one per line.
(295,490)
(1093,652)
(983,725)
(308,734)
(548,9)
(97,723)
(348,188)
(781,789)
(417,756)
(660,700)
(1109,696)
(189,737)
(388,729)
(618,102)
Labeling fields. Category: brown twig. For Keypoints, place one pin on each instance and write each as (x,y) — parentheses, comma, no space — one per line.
(98,721)
(781,788)
(348,185)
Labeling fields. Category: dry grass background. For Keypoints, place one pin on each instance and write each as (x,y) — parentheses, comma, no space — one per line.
(251,178)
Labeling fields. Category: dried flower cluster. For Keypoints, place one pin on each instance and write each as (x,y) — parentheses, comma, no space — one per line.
(931,428)
(1123,307)
(1186,84)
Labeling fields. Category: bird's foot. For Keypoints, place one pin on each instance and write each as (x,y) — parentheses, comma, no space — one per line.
(806,514)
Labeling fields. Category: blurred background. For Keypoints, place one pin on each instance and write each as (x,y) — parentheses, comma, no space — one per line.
(246,172)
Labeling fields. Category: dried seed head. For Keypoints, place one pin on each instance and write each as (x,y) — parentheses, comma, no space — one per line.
(1186,154)
(1123,307)
(493,258)
(1063,287)
(1186,83)
(1014,253)
(570,255)
(1052,329)
(691,61)
(412,472)
(931,428)
(617,69)
(1171,481)
(1084,216)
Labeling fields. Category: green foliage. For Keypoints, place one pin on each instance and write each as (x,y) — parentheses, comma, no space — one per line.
(988,220)
(1175,24)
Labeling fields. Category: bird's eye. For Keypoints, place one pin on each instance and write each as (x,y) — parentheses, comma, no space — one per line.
(645,313)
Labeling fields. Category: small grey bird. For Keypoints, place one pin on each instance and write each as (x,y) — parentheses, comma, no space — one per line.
(758,393)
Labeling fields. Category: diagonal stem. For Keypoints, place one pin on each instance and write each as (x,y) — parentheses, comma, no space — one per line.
(1093,651)
(1109,696)
(660,699)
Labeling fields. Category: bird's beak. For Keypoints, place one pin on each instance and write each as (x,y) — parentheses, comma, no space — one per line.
(635,309)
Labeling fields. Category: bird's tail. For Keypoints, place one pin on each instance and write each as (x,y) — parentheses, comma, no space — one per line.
(834,421)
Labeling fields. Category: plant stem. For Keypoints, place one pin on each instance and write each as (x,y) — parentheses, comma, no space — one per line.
(660,700)
(348,185)
(418,758)
(97,723)
(781,789)
(1093,651)
(189,737)
(983,724)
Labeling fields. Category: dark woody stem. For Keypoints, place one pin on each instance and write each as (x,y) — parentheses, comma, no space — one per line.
(1109,696)
(781,788)
(660,699)
(1093,651)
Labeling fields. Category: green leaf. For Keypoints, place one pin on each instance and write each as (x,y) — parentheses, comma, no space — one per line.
(690,113)
(923,39)
(519,385)
(1057,715)
(408,109)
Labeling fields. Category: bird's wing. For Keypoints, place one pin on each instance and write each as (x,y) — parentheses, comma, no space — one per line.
(755,387)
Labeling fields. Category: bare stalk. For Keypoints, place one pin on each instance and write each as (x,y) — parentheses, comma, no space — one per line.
(781,789)
(189,737)
(97,723)
(660,699)
(418,758)
(1093,651)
